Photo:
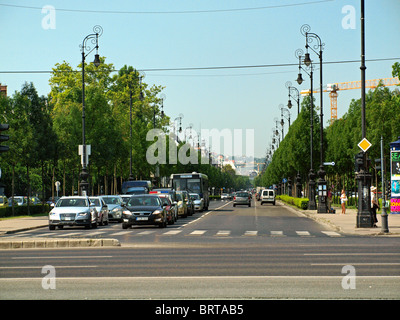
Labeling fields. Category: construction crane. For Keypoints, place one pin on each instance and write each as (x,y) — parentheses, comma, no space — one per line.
(333,89)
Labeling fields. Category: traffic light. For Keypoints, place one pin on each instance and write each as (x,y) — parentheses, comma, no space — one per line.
(3,137)
(358,161)
(378,164)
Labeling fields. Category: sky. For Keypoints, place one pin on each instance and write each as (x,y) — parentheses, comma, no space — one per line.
(237,55)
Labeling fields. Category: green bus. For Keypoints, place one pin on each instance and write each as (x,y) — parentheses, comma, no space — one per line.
(193,183)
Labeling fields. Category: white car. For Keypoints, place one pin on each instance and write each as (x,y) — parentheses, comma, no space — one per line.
(198,202)
(224,196)
(73,211)
(115,206)
(267,195)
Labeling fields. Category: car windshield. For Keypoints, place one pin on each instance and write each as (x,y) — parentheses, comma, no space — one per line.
(144,201)
(179,197)
(73,202)
(95,201)
(242,194)
(165,201)
(112,200)
(194,196)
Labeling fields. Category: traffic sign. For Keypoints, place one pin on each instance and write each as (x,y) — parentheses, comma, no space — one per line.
(364,144)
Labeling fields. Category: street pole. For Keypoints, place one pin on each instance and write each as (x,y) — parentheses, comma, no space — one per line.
(364,214)
(84,175)
(322,184)
(384,215)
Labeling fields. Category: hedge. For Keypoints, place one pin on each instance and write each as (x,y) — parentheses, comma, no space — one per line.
(301,203)
(23,210)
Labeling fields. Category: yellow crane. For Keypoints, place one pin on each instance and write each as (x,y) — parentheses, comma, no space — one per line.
(333,89)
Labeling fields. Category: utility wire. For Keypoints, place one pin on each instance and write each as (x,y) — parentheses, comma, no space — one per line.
(170,12)
(203,68)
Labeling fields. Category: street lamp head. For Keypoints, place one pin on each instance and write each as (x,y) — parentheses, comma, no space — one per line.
(96,61)
(307,60)
(299,78)
(289,104)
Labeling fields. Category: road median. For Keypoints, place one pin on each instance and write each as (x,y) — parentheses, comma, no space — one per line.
(57,243)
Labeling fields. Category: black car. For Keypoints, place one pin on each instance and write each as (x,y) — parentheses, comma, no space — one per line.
(145,209)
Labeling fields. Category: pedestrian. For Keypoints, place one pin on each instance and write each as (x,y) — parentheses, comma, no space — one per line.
(329,200)
(374,205)
(343,199)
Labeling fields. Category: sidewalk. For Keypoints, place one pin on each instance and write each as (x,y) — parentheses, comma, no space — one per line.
(347,223)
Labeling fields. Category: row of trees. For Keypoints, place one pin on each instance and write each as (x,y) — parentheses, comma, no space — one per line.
(341,140)
(45,132)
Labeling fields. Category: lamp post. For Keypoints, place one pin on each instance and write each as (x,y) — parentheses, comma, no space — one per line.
(98,31)
(288,85)
(364,214)
(322,185)
(311,175)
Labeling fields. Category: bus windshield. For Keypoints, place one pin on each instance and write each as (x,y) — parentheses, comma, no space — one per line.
(191,185)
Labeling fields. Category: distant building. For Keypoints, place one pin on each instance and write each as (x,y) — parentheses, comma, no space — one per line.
(3,89)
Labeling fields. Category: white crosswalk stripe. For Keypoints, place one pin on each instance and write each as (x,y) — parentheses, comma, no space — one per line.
(251,233)
(303,233)
(331,233)
(172,232)
(145,233)
(276,233)
(121,233)
(198,232)
(223,233)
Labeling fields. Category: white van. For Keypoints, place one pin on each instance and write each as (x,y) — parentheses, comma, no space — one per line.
(267,195)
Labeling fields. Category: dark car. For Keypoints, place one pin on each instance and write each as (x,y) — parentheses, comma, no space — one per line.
(145,209)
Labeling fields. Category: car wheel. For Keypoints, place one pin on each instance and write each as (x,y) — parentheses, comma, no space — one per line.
(52,227)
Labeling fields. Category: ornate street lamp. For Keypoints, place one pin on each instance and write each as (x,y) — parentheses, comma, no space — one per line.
(311,175)
(93,37)
(322,185)
(289,86)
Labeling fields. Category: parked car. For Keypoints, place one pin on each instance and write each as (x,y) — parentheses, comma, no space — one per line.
(145,209)
(102,210)
(197,201)
(3,201)
(267,195)
(73,211)
(115,206)
(18,200)
(224,196)
(170,207)
(242,197)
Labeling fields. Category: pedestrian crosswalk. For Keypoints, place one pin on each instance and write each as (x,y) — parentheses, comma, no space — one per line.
(138,232)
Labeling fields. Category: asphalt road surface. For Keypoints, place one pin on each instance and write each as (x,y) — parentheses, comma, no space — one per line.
(257,252)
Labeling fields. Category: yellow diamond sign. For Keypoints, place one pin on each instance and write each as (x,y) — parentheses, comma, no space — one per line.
(364,144)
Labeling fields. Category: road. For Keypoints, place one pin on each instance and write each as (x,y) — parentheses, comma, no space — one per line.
(225,253)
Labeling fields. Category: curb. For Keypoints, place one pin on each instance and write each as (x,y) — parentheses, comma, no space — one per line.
(58,243)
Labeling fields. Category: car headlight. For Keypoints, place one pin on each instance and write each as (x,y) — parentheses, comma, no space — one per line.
(116,210)
(126,213)
(82,214)
(157,213)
